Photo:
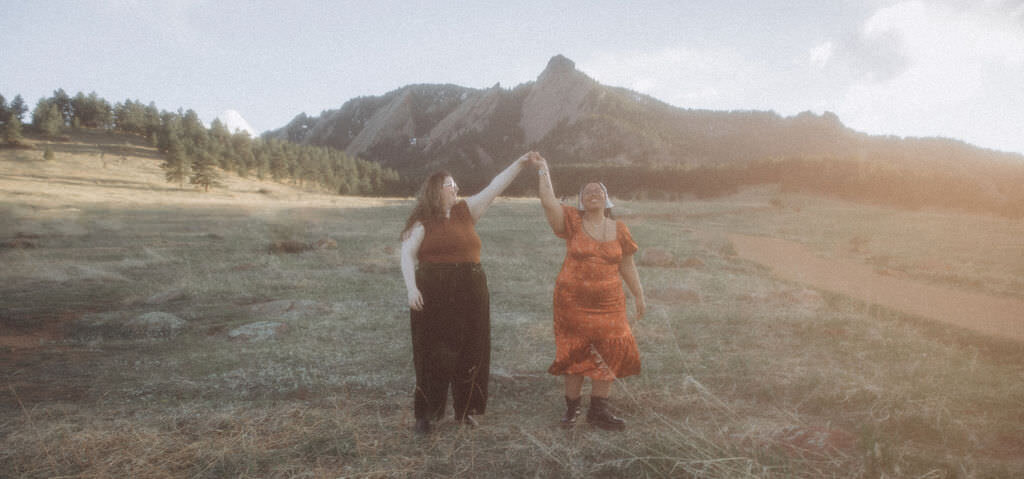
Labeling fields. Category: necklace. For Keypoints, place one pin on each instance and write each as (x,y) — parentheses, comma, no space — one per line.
(600,228)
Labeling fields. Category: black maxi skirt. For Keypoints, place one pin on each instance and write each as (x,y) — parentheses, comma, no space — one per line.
(451,339)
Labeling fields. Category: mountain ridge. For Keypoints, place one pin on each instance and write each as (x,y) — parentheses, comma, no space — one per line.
(574,120)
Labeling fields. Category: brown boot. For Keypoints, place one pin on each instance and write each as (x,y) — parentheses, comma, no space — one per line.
(599,415)
(572,411)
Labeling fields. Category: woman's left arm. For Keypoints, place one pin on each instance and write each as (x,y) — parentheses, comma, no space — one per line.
(627,268)
(479,202)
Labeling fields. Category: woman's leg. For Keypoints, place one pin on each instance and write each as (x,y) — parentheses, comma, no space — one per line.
(599,414)
(431,361)
(573,386)
(469,383)
(433,348)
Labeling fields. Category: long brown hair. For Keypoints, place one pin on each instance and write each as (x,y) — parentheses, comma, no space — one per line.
(428,202)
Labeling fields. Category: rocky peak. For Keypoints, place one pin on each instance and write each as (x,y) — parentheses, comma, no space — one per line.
(558,65)
(556,97)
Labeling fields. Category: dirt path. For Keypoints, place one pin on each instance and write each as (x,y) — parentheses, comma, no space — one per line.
(1003,317)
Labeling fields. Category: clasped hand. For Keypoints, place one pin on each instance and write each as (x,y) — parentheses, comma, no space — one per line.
(536,161)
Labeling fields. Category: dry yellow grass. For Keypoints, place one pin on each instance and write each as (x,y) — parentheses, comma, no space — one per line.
(759,377)
(99,168)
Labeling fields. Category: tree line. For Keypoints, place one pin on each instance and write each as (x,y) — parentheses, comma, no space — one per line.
(196,154)
(989,189)
(12,117)
(929,173)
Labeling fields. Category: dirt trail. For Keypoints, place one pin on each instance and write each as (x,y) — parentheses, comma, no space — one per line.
(1003,317)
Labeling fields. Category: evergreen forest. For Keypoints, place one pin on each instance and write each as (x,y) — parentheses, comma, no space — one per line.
(193,153)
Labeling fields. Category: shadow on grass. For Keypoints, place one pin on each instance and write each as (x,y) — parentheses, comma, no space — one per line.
(108,150)
(106,183)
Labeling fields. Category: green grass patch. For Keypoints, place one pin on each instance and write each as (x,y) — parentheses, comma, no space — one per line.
(727,378)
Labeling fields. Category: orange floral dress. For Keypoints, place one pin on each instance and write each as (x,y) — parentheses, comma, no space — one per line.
(592,334)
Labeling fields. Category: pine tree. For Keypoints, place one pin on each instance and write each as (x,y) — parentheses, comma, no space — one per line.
(222,146)
(261,161)
(242,146)
(46,118)
(177,165)
(91,111)
(194,135)
(10,124)
(204,172)
(169,129)
(18,108)
(12,130)
(64,107)
(130,117)
(278,162)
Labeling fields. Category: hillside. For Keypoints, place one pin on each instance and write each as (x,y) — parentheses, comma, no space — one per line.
(574,120)
(153,331)
(93,167)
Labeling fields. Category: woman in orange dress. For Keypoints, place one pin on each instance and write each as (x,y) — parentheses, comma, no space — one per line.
(592,334)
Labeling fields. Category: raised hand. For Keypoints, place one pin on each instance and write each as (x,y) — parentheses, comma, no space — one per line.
(537,161)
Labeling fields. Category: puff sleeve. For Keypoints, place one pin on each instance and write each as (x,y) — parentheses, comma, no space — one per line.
(625,239)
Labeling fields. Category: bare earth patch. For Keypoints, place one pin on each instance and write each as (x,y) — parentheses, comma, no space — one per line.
(22,341)
(991,315)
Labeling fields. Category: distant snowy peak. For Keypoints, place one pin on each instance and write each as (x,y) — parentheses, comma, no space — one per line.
(234,121)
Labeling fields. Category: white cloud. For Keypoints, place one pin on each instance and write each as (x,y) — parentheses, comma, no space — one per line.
(956,67)
(820,56)
(681,76)
(947,68)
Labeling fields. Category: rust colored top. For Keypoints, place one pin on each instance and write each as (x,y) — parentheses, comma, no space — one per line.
(452,239)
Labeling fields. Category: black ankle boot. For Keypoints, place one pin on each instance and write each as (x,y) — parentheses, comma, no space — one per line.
(599,415)
(572,411)
(423,427)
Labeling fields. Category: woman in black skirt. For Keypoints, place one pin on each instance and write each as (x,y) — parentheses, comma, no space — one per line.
(448,298)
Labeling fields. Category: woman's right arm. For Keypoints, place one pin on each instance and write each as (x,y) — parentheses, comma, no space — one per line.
(552,207)
(410,248)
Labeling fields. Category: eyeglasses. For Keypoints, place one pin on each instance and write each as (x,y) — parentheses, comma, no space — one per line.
(450,184)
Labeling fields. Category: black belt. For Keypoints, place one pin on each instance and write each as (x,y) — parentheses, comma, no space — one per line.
(449,266)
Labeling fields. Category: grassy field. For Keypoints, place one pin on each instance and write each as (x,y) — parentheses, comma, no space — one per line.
(744,375)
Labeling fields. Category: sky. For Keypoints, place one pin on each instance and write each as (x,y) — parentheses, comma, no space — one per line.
(917,68)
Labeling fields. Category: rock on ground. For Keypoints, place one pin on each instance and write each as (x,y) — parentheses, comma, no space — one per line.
(675,295)
(260,331)
(288,246)
(290,308)
(655,256)
(155,324)
(166,296)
